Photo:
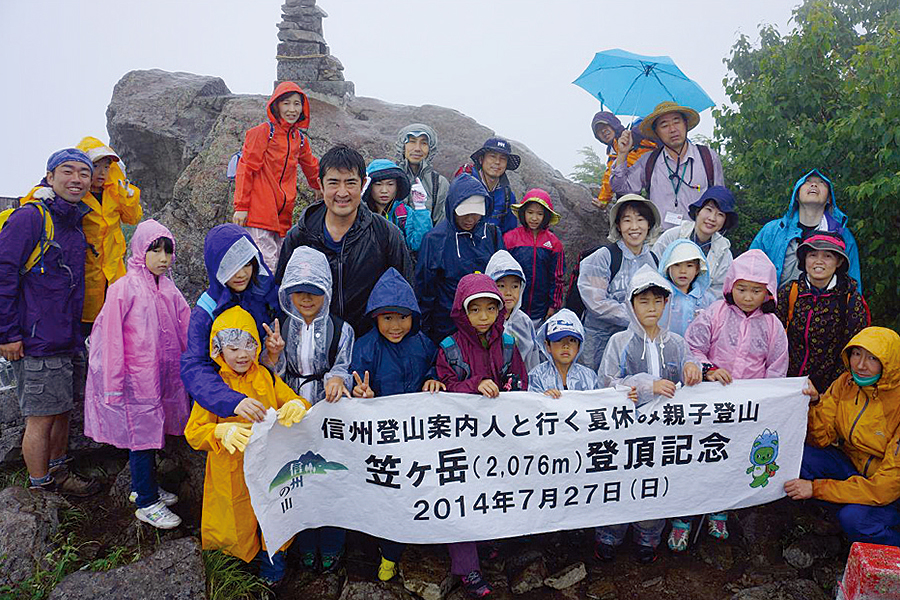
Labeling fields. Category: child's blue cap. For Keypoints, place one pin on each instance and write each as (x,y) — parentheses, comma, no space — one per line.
(305,288)
(559,328)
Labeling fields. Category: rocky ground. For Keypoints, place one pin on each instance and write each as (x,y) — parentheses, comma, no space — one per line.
(781,551)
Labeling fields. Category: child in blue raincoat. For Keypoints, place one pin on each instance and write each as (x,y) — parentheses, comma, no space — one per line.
(560,339)
(684,266)
(384,195)
(393,358)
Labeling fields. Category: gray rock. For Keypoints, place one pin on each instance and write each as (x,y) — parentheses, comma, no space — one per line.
(805,551)
(158,122)
(370,590)
(426,574)
(530,578)
(287,25)
(11,442)
(9,406)
(300,48)
(300,35)
(717,555)
(306,3)
(566,577)
(794,589)
(602,589)
(202,196)
(174,572)
(298,70)
(28,522)
(120,490)
(311,23)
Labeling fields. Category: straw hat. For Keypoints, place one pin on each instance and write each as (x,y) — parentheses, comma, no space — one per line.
(691,117)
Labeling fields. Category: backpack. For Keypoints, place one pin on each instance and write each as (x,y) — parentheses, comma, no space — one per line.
(573,297)
(705,157)
(231,169)
(454,356)
(46,241)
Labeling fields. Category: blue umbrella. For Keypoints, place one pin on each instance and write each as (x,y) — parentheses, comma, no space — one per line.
(632,84)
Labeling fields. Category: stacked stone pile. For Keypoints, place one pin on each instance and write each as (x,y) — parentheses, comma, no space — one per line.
(303,55)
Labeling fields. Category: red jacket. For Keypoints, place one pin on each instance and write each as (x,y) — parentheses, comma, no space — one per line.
(266,179)
(544,264)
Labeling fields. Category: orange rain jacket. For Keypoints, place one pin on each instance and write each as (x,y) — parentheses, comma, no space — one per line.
(866,422)
(266,178)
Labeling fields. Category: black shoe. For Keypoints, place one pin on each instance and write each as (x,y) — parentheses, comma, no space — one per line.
(604,552)
(645,554)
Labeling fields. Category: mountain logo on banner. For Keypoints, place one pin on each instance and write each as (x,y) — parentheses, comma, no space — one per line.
(762,458)
(309,463)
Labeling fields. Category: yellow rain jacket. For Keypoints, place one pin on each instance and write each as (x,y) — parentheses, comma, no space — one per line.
(866,424)
(228,522)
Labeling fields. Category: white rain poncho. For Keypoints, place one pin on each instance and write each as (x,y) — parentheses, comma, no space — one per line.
(240,253)
(236,339)
(518,324)
(682,308)
(633,360)
(546,376)
(309,266)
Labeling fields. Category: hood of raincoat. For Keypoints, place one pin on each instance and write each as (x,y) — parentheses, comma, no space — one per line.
(146,233)
(567,318)
(755,266)
(287,87)
(502,264)
(679,251)
(379,170)
(226,249)
(234,318)
(475,283)
(306,266)
(461,188)
(884,344)
(418,129)
(793,206)
(116,167)
(392,289)
(645,278)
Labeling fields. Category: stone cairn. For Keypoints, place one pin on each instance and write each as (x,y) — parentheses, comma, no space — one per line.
(303,55)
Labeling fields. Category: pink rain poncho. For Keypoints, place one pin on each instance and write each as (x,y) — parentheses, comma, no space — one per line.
(752,346)
(134,394)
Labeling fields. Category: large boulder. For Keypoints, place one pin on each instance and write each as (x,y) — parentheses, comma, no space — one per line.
(177,132)
(158,123)
(28,522)
(174,572)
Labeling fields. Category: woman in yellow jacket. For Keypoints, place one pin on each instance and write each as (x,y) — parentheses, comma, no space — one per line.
(860,477)
(228,522)
(113,201)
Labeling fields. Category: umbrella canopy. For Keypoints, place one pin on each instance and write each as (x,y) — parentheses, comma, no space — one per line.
(632,84)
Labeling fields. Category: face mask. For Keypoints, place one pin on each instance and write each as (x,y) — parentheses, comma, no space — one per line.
(865,381)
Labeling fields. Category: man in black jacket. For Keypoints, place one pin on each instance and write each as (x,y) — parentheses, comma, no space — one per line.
(360,246)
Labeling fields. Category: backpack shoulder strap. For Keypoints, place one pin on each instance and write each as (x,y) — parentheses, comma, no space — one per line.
(435,186)
(706,157)
(648,167)
(655,258)
(509,346)
(271,130)
(792,300)
(337,325)
(206,302)
(615,259)
(454,358)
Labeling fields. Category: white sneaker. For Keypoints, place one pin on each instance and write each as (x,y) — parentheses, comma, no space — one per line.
(159,516)
(167,498)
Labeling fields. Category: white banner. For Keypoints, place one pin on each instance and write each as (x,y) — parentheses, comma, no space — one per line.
(423,468)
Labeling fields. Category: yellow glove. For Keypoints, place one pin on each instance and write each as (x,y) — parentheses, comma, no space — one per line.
(234,436)
(292,412)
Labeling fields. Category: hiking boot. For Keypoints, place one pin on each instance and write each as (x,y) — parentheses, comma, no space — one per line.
(331,563)
(475,585)
(159,516)
(70,483)
(387,569)
(604,552)
(47,486)
(167,498)
(645,554)
(680,536)
(717,525)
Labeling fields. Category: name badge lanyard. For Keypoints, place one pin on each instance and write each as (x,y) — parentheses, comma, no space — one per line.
(674,175)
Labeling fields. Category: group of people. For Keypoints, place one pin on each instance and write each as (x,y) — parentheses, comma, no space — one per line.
(399,281)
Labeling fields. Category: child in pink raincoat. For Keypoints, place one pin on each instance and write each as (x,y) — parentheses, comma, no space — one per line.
(739,337)
(134,395)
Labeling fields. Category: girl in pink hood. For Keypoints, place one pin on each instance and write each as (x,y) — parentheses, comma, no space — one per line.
(739,337)
(134,395)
